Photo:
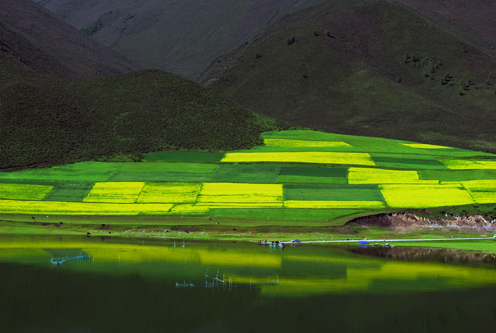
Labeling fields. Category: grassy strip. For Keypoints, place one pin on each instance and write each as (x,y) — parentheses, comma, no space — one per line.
(180,156)
(457,175)
(303,143)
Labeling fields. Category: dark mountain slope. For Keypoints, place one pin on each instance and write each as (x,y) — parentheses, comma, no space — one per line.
(44,43)
(472,21)
(46,120)
(374,69)
(182,37)
(49,121)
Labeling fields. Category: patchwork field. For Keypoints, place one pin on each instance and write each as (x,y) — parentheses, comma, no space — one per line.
(296,175)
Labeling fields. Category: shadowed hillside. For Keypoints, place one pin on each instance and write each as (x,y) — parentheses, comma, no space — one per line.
(47,120)
(182,37)
(374,69)
(35,37)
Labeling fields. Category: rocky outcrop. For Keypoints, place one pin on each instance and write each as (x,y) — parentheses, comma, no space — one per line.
(409,221)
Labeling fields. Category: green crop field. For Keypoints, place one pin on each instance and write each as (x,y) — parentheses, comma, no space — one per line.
(316,184)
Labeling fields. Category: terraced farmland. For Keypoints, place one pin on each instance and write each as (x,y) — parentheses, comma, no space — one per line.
(297,175)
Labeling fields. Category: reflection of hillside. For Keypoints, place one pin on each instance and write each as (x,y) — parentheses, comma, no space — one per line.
(303,271)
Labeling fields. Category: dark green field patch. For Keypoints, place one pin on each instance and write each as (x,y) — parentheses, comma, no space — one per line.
(457,175)
(333,193)
(246,173)
(313,175)
(166,167)
(83,171)
(413,164)
(159,176)
(74,192)
(281,213)
(179,156)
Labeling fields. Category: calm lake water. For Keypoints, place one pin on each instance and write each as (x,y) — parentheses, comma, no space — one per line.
(76,284)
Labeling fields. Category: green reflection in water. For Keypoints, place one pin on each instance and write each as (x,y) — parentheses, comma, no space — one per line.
(300,271)
(130,287)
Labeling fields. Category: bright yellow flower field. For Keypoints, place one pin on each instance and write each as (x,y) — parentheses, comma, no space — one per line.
(301,157)
(423,196)
(169,192)
(116,192)
(79,208)
(24,191)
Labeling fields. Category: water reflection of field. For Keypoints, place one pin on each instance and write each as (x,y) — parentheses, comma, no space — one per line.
(300,271)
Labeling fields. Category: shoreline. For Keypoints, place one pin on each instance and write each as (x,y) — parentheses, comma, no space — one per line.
(386,227)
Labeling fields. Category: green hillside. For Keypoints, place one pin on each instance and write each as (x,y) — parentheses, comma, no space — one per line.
(48,121)
(375,69)
(296,175)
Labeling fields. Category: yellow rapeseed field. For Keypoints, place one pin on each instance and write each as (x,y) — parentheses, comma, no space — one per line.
(423,196)
(468,164)
(116,192)
(24,191)
(189,209)
(169,192)
(425,146)
(484,197)
(303,143)
(381,176)
(239,193)
(333,204)
(79,208)
(302,157)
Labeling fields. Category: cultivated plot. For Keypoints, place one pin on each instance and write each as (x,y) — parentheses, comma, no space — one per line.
(301,157)
(125,192)
(423,196)
(24,191)
(169,193)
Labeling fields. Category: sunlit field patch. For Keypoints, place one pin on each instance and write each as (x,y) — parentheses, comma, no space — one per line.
(80,208)
(484,197)
(302,157)
(486,185)
(169,193)
(189,209)
(422,196)
(125,192)
(384,176)
(469,164)
(222,193)
(424,146)
(334,204)
(303,143)
(24,191)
